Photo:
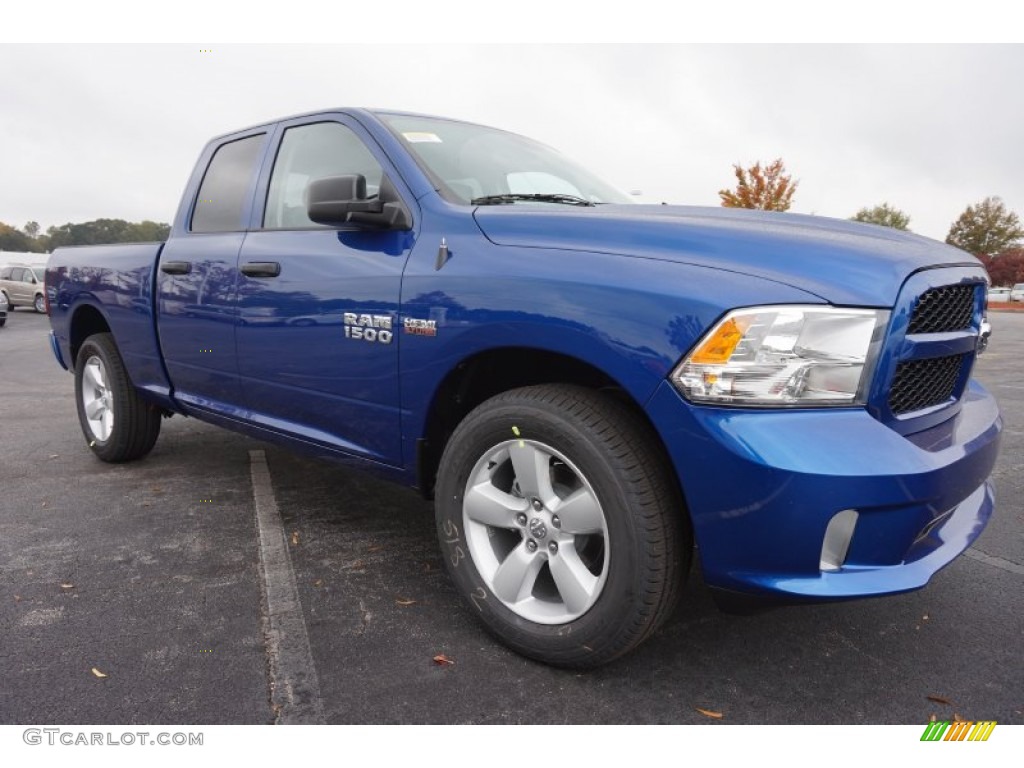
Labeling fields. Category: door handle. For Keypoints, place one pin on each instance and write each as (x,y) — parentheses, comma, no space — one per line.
(261,269)
(176,267)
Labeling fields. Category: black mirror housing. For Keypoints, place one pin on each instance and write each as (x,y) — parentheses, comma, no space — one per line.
(330,200)
(338,200)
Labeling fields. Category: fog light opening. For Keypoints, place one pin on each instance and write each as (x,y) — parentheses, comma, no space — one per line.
(837,539)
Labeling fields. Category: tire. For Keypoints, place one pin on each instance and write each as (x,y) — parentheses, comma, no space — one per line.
(575,592)
(10,307)
(118,425)
(40,304)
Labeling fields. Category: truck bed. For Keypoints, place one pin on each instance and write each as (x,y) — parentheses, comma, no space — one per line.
(120,280)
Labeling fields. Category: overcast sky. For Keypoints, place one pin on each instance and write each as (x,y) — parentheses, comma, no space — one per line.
(113,131)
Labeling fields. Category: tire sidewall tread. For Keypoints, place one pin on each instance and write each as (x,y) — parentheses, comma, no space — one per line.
(136,423)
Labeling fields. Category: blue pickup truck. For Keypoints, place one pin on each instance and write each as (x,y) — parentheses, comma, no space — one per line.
(590,389)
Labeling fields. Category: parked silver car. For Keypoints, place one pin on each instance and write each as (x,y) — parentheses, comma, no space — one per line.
(998,294)
(22,285)
(1017,292)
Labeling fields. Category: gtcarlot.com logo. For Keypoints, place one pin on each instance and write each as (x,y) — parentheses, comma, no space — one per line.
(60,736)
(962,730)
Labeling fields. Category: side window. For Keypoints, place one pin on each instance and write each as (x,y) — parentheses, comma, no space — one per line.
(221,198)
(307,153)
(17,274)
(5,273)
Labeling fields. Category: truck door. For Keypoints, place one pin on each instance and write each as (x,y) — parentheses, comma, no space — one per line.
(318,306)
(197,276)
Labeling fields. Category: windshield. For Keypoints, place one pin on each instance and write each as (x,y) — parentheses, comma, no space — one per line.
(474,164)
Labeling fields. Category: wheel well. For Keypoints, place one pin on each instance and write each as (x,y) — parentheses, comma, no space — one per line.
(86,322)
(487,374)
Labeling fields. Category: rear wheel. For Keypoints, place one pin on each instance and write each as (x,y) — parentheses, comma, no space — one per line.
(560,525)
(118,425)
(10,307)
(40,304)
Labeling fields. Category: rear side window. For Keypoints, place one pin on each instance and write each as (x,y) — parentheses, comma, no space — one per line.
(5,273)
(222,194)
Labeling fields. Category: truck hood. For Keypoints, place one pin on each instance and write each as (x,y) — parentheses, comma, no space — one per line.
(842,262)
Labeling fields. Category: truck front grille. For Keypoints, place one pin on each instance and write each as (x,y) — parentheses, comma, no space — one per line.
(939,310)
(924,383)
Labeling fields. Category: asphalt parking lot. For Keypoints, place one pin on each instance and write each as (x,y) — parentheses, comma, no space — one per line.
(132,594)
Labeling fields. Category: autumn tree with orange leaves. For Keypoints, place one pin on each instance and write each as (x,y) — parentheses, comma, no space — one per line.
(767,188)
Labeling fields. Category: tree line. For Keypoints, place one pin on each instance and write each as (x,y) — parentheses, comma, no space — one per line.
(99,232)
(987,229)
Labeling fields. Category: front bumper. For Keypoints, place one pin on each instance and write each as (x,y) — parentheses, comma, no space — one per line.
(762,487)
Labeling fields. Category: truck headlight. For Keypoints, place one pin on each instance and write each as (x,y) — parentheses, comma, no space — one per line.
(785,355)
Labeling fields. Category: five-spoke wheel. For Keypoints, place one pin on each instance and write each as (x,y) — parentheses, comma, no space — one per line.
(561,524)
(536,531)
(97,399)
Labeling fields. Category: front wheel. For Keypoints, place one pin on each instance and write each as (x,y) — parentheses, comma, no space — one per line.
(118,425)
(560,524)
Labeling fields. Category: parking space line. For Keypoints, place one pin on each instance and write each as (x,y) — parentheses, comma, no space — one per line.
(997,562)
(294,685)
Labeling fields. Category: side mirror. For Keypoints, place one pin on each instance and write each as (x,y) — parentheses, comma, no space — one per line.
(331,200)
(342,200)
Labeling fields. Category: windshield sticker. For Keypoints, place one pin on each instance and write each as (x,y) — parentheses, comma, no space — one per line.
(421,137)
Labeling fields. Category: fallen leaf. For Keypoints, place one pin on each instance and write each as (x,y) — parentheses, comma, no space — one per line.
(957,718)
(375,549)
(357,565)
(402,601)
(54,455)
(66,585)
(932,718)
(940,700)
(44,504)
(17,598)
(443,660)
(710,713)
(295,538)
(98,673)
(426,566)
(318,583)
(925,617)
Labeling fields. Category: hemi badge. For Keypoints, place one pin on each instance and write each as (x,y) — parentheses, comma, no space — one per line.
(417,327)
